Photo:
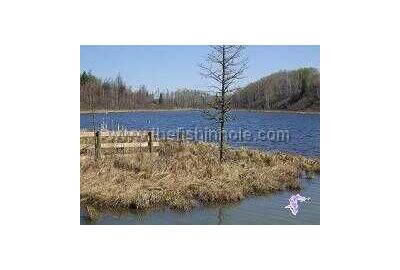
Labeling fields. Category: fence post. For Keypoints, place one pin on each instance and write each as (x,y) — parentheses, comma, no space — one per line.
(150,143)
(180,138)
(98,145)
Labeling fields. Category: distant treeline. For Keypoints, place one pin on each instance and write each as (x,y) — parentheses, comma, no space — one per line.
(284,90)
(115,94)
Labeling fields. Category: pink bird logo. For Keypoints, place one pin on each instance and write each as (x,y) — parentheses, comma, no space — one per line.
(293,205)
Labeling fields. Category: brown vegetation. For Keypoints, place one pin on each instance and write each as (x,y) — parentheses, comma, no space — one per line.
(180,176)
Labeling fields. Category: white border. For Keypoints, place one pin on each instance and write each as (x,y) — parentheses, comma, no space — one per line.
(40,116)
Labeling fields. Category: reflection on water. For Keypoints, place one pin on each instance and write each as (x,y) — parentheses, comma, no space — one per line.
(220,216)
(254,210)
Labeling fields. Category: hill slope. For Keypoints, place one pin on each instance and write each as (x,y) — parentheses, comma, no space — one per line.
(297,90)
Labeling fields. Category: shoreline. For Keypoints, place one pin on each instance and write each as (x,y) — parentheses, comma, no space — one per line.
(195,109)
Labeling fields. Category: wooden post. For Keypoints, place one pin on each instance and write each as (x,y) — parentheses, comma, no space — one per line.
(98,145)
(150,143)
(180,138)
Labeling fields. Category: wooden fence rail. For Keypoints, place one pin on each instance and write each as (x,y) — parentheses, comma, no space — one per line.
(109,133)
(101,140)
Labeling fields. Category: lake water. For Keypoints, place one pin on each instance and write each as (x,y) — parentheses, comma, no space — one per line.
(302,129)
(288,132)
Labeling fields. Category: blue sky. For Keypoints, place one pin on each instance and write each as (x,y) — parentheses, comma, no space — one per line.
(172,67)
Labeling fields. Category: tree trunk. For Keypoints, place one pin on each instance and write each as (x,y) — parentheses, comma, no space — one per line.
(221,141)
(222,122)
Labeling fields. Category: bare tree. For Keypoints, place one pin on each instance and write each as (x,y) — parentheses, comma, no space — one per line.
(224,66)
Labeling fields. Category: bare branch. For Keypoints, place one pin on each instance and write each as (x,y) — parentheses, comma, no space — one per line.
(225,67)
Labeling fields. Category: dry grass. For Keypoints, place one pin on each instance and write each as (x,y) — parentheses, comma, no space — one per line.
(91,213)
(182,176)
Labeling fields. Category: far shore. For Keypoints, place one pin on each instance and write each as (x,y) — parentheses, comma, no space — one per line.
(195,109)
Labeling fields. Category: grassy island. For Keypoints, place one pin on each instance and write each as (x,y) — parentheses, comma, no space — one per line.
(182,175)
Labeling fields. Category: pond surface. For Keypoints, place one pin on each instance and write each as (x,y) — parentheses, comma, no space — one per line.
(289,132)
(301,134)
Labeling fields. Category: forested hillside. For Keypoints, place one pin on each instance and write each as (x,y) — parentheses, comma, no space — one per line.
(297,90)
